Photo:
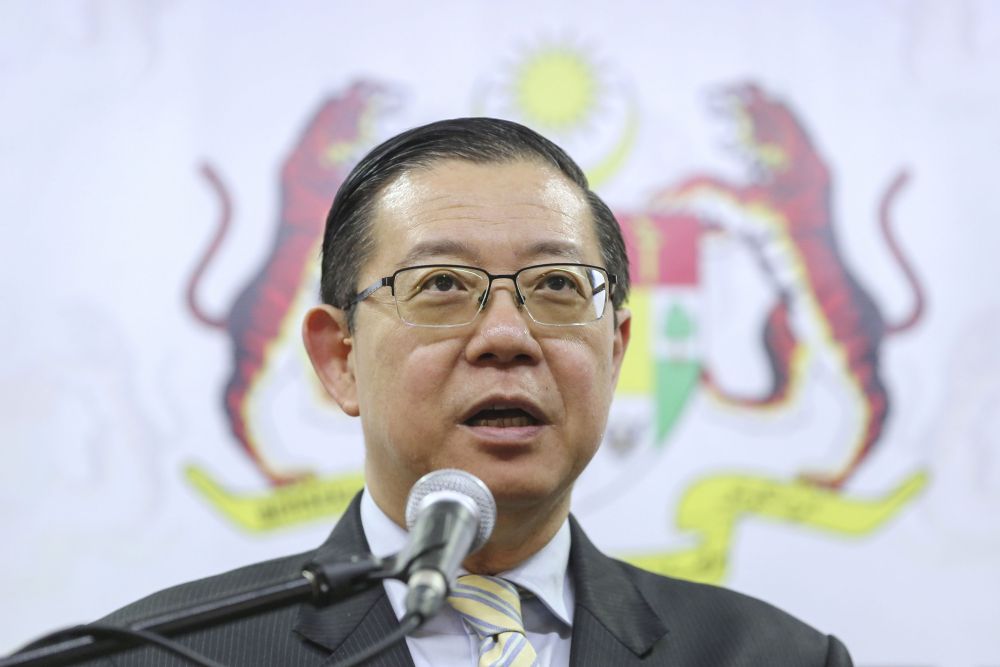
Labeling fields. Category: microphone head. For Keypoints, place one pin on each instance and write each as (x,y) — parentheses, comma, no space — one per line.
(454,482)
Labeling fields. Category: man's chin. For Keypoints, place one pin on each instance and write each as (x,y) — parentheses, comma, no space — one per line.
(519,494)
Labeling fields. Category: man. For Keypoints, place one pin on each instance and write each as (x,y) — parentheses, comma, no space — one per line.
(474,318)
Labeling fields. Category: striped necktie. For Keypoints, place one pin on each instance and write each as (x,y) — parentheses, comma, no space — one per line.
(492,607)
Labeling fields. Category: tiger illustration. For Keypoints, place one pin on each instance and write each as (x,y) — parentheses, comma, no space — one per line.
(309,177)
(783,217)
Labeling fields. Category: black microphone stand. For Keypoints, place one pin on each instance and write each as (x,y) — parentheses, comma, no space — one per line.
(319,583)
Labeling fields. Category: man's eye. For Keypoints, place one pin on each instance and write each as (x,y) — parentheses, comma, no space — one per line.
(557,282)
(442,282)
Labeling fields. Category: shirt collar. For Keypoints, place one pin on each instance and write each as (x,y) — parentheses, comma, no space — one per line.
(544,574)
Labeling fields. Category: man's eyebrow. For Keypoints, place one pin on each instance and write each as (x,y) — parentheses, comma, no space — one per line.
(425,250)
(562,249)
(428,250)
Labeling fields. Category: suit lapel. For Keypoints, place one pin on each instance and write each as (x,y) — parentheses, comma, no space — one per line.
(349,626)
(612,622)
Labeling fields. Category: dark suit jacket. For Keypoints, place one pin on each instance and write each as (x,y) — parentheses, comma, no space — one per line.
(623,616)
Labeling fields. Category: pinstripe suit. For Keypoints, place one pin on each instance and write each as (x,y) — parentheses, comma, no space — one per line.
(623,616)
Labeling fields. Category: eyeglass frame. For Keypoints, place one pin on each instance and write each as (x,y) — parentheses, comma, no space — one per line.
(389,281)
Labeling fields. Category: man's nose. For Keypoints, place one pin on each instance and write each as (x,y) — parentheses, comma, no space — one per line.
(503,331)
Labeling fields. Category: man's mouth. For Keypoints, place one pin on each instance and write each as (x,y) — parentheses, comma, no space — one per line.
(502,418)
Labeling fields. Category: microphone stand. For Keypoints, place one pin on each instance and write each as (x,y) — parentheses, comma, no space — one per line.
(319,583)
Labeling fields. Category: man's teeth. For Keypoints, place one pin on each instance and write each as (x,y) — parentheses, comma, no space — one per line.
(503,419)
(503,422)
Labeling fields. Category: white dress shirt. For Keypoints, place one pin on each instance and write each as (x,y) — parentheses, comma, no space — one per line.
(445,641)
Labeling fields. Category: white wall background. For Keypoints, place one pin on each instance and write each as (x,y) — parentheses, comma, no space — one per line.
(109,387)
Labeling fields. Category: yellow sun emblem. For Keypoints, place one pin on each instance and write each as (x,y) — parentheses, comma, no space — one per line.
(571,95)
(556,88)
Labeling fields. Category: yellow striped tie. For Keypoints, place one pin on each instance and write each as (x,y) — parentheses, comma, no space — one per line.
(492,607)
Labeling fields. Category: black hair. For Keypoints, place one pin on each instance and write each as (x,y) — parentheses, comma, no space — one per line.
(348,241)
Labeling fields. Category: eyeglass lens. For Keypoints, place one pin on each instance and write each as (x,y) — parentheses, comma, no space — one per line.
(451,296)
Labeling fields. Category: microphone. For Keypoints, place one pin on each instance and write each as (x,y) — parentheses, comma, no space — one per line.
(450,514)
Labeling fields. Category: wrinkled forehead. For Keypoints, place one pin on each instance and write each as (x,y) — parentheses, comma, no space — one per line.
(511,208)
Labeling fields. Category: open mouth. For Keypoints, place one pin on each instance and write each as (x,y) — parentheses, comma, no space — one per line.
(502,418)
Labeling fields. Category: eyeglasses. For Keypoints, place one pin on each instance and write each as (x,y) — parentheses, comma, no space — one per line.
(449,295)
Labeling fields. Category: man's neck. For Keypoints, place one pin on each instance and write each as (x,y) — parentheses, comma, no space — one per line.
(519,533)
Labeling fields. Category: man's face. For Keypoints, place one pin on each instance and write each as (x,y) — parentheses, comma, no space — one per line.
(421,391)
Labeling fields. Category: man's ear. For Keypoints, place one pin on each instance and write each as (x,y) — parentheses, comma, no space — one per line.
(330,347)
(623,331)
